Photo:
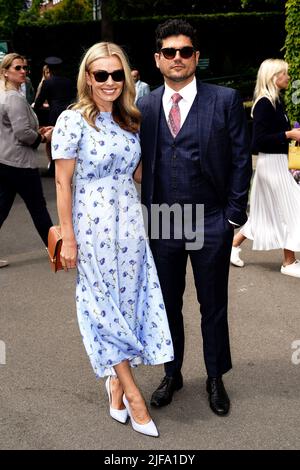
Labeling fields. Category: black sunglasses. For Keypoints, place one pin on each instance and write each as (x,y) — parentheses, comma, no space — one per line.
(185,52)
(20,67)
(102,75)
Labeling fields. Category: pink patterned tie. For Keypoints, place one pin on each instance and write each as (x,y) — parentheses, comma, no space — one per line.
(174,115)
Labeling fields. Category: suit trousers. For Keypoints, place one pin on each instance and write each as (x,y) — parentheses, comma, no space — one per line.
(27,183)
(210,266)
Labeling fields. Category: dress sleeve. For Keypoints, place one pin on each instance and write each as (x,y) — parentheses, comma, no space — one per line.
(67,135)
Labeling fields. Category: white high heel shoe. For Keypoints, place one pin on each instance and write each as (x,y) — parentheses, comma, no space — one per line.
(149,429)
(118,415)
(235,257)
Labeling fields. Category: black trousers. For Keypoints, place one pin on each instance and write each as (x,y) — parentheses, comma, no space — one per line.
(27,183)
(210,266)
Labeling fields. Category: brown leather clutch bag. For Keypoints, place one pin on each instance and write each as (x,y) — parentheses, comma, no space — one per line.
(54,247)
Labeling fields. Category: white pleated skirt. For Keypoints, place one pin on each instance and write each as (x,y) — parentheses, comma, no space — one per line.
(274,219)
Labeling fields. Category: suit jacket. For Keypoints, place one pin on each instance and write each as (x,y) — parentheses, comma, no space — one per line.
(224,148)
(18,131)
(28,91)
(59,93)
(141,89)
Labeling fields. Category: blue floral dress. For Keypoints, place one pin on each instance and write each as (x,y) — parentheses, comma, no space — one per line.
(120,308)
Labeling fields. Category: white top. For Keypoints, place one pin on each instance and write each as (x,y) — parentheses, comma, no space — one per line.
(188,94)
(22,89)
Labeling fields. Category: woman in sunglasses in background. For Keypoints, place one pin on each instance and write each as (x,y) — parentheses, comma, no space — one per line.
(20,138)
(120,308)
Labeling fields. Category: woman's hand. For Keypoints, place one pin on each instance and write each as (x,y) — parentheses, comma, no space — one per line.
(48,133)
(293,134)
(68,254)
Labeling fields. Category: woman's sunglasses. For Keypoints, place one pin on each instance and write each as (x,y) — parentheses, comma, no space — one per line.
(185,52)
(102,75)
(21,67)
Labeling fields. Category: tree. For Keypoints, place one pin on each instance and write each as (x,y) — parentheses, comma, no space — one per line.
(263,5)
(70,10)
(107,33)
(30,15)
(292,48)
(67,10)
(9,16)
(138,8)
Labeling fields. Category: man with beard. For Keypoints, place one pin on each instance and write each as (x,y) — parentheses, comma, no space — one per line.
(195,151)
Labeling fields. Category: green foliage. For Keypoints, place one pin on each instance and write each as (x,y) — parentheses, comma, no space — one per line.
(67,10)
(292,48)
(70,10)
(150,8)
(35,5)
(263,5)
(9,15)
(32,15)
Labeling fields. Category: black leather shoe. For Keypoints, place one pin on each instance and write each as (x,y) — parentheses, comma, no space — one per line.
(164,393)
(218,399)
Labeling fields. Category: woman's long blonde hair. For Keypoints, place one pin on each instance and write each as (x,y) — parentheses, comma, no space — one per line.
(266,80)
(5,64)
(124,112)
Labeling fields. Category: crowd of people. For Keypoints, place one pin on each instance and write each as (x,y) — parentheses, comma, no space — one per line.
(187,143)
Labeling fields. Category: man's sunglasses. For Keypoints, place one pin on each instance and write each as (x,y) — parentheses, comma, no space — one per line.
(102,75)
(185,52)
(20,67)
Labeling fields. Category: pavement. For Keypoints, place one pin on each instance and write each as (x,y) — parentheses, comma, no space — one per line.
(49,396)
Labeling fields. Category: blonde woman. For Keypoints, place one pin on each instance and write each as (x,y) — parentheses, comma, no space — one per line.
(20,138)
(274,220)
(120,308)
(45,75)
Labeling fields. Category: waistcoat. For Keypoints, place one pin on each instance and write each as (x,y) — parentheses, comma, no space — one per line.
(178,175)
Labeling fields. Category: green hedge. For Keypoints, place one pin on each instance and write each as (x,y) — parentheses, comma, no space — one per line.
(235,43)
(292,56)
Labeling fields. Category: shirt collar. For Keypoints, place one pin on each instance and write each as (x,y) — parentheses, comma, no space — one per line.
(188,92)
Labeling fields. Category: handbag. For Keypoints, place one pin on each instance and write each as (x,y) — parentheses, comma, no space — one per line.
(294,156)
(54,247)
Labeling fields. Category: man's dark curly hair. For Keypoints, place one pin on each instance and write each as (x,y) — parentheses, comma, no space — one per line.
(175,28)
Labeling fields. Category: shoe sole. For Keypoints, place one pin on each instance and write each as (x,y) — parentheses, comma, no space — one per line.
(217,413)
(165,403)
(237,265)
(288,274)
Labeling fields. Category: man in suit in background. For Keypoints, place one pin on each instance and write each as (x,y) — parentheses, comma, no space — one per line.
(26,89)
(141,88)
(59,92)
(195,151)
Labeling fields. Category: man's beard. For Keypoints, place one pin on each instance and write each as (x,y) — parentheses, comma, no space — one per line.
(181,78)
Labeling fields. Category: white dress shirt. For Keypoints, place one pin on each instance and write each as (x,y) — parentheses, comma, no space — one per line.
(188,94)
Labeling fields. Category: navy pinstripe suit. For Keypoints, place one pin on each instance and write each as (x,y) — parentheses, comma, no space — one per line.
(208,163)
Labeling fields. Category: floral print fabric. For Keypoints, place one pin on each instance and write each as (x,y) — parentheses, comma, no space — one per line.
(120,308)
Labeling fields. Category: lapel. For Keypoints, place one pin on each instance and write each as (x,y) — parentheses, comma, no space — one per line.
(34,116)
(156,104)
(206,107)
